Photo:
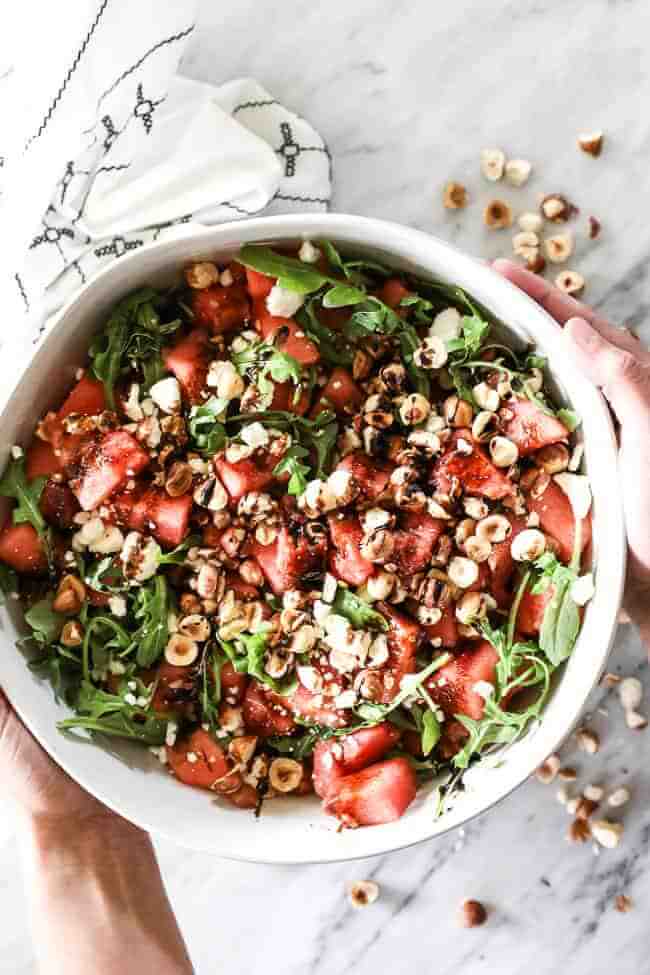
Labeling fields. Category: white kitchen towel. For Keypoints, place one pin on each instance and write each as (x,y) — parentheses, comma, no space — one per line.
(105,149)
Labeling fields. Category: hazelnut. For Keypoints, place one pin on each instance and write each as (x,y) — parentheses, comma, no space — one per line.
(195,626)
(361,365)
(463,572)
(189,603)
(494,528)
(606,833)
(485,425)
(473,606)
(579,831)
(536,263)
(594,228)
(497,215)
(630,693)
(477,549)
(202,275)
(517,171)
(454,196)
(431,354)
(251,573)
(571,282)
(556,208)
(525,244)
(623,903)
(362,893)
(493,163)
(528,545)
(72,634)
(593,792)
(548,770)
(503,452)
(211,494)
(486,397)
(558,248)
(243,748)
(415,409)
(553,458)
(285,774)
(530,222)
(472,914)
(591,142)
(380,585)
(568,774)
(585,808)
(181,651)
(457,412)
(70,596)
(588,740)
(635,721)
(178,480)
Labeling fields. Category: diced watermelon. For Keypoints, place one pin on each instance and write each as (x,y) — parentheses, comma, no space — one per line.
(21,548)
(221,309)
(189,360)
(233,684)
(288,561)
(557,520)
(266,713)
(58,504)
(87,397)
(242,590)
(174,688)
(529,427)
(531,611)
(346,561)
(502,564)
(379,794)
(335,758)
(415,540)
(251,474)
(40,460)
(291,338)
(168,519)
(259,285)
(454,735)
(106,465)
(316,708)
(371,474)
(198,760)
(446,629)
(452,687)
(284,399)
(404,638)
(392,292)
(340,394)
(475,472)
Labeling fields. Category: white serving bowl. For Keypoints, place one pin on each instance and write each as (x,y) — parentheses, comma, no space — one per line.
(130,780)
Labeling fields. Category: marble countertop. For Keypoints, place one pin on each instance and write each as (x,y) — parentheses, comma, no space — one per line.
(406,94)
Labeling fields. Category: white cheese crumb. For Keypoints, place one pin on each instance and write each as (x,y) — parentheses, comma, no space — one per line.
(308,253)
(484,689)
(583,589)
(166,394)
(17,452)
(283,303)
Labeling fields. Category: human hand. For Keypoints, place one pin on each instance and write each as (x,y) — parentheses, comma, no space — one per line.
(36,784)
(619,365)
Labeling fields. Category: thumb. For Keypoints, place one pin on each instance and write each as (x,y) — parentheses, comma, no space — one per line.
(623,376)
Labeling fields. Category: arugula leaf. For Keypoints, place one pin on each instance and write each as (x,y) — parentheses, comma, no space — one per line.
(569,418)
(328,342)
(281,368)
(151,608)
(298,747)
(358,612)
(342,295)
(110,714)
(27,494)
(431,732)
(207,433)
(318,434)
(102,634)
(291,464)
(211,686)
(178,555)
(292,274)
(474,330)
(412,684)
(46,625)
(106,576)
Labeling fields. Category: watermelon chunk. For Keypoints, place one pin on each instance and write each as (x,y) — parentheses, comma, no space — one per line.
(475,472)
(265,712)
(379,794)
(40,460)
(557,519)
(189,361)
(335,758)
(340,394)
(392,292)
(346,561)
(290,559)
(446,629)
(221,309)
(502,564)
(415,540)
(452,687)
(404,638)
(531,611)
(291,338)
(371,474)
(22,549)
(168,519)
(105,466)
(284,399)
(58,504)
(250,474)
(87,397)
(259,285)
(316,708)
(530,428)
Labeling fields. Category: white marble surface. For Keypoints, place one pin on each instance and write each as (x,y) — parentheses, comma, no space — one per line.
(406,94)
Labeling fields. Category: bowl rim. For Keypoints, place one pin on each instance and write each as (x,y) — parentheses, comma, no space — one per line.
(362,230)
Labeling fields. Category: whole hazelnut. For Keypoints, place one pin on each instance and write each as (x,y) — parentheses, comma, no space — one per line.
(454,196)
(472,914)
(497,215)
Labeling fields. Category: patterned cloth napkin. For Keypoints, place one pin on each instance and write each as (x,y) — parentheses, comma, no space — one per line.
(105,149)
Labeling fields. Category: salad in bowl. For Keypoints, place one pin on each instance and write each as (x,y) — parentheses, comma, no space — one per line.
(302,524)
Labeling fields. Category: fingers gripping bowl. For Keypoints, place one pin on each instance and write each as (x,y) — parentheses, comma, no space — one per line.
(127,777)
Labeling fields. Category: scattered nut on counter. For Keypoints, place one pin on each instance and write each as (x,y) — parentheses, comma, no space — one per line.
(592,142)
(454,196)
(472,914)
(362,893)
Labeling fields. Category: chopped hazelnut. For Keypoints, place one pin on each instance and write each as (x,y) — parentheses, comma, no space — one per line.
(363,892)
(635,721)
(623,903)
(579,831)
(557,208)
(594,228)
(517,171)
(497,215)
(630,692)
(70,596)
(558,248)
(567,774)
(606,833)
(504,452)
(618,797)
(594,792)
(492,164)
(530,222)
(585,808)
(525,244)
(571,282)
(548,770)
(285,774)
(201,275)
(72,634)
(536,264)
(473,914)
(591,142)
(454,196)
(588,741)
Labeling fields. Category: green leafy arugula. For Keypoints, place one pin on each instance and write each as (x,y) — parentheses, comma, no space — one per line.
(45,624)
(210,695)
(134,334)
(318,436)
(256,646)
(375,713)
(110,714)
(561,621)
(358,612)
(207,432)
(27,495)
(292,464)
(569,418)
(152,604)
